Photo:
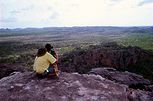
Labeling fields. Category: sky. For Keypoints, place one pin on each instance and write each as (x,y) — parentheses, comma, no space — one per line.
(68,13)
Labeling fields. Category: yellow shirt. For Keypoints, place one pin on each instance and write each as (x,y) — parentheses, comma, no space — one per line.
(43,62)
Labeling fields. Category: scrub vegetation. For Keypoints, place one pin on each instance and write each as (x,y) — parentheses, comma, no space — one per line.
(19,46)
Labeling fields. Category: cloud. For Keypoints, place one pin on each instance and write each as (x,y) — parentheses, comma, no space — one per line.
(14,11)
(38,13)
(7,20)
(143,2)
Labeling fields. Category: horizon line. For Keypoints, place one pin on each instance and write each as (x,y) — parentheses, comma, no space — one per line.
(73,26)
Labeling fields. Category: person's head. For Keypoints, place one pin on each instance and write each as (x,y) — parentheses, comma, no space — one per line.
(41,52)
(48,47)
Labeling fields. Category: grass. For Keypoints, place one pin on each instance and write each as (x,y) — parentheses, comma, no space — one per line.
(65,50)
(144,41)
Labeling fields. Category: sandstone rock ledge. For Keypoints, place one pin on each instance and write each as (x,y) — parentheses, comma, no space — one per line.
(69,87)
(126,78)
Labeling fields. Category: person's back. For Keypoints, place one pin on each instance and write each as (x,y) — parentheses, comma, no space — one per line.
(42,61)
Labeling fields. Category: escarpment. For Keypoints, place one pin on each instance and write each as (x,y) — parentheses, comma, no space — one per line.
(91,74)
(133,59)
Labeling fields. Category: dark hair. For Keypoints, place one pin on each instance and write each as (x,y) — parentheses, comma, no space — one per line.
(48,47)
(41,52)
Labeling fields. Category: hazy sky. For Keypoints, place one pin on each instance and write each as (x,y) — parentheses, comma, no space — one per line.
(49,13)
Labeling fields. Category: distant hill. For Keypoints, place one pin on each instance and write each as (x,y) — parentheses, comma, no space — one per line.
(76,30)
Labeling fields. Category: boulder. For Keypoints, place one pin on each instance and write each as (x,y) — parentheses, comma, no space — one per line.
(69,87)
(126,77)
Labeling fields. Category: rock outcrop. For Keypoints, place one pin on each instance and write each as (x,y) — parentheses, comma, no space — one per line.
(7,69)
(107,55)
(132,80)
(126,78)
(132,59)
(69,87)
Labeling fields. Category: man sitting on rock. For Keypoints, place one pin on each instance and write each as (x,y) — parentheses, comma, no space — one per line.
(45,64)
(51,50)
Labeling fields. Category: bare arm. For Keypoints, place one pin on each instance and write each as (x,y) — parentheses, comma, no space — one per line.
(56,68)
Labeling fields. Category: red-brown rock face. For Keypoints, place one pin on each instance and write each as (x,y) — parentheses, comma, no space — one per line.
(110,56)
